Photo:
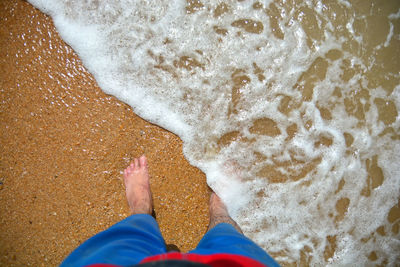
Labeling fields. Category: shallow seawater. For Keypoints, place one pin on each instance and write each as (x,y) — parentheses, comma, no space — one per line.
(289,107)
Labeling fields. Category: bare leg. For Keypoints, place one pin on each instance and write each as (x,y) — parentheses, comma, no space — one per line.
(138,193)
(219,213)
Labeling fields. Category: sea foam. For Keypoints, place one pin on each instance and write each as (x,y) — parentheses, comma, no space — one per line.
(287,107)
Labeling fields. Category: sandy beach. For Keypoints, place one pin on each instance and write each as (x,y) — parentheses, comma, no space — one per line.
(64,145)
(290,107)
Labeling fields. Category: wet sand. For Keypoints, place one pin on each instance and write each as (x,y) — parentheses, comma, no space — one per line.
(64,145)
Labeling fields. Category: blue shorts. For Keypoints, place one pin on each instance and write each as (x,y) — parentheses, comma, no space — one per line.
(138,236)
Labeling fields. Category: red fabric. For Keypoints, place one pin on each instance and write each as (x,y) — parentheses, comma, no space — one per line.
(214,260)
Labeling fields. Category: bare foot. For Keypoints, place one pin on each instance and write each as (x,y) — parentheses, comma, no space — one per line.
(138,193)
(219,213)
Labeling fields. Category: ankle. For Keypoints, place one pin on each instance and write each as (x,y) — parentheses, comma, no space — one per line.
(217,219)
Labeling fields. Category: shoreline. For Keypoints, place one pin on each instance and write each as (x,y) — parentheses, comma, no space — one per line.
(64,146)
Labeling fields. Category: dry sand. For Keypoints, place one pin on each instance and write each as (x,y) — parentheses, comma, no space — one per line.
(64,145)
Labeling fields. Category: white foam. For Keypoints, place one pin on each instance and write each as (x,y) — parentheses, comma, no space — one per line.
(132,48)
